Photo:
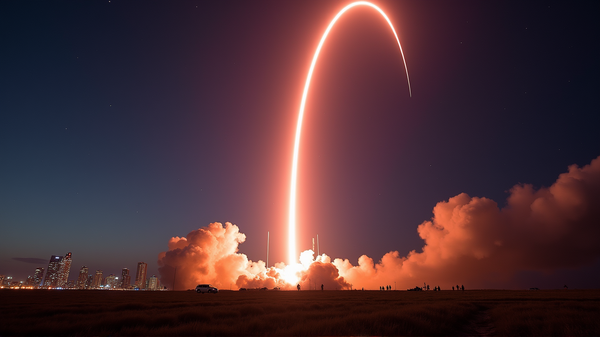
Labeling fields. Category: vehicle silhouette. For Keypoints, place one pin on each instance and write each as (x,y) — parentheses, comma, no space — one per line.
(206,288)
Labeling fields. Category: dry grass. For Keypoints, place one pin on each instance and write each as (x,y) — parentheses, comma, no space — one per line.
(296,313)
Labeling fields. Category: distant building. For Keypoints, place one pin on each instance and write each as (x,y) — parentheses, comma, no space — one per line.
(2,277)
(125,279)
(82,278)
(111,281)
(140,276)
(38,276)
(89,282)
(63,272)
(153,283)
(51,279)
(97,282)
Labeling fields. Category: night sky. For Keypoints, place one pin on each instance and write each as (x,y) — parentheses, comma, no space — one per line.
(123,124)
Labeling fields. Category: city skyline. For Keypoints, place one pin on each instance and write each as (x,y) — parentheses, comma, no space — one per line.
(126,127)
(57,276)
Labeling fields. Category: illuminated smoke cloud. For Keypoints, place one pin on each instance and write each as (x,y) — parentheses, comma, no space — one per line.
(470,239)
(322,272)
(210,255)
(206,255)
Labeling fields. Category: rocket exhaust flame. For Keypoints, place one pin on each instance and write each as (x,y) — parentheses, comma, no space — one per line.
(292,206)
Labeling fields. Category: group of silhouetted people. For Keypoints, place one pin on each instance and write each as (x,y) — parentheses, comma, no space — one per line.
(386,288)
(298,286)
(437,288)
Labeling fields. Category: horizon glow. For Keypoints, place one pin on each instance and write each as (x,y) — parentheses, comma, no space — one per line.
(294,175)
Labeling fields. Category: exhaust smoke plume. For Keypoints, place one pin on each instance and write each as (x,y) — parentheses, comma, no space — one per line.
(469,240)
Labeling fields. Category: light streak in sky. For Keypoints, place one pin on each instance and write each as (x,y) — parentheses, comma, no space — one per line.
(292,207)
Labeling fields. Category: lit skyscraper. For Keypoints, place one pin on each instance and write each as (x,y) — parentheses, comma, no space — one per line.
(153,283)
(38,276)
(63,272)
(111,281)
(89,282)
(125,279)
(51,279)
(140,276)
(97,282)
(82,278)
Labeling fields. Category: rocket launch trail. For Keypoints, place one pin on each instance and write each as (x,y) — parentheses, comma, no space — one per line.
(292,254)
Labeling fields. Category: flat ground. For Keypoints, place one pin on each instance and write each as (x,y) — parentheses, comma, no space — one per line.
(392,313)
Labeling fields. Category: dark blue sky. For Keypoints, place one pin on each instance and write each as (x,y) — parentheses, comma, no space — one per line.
(123,124)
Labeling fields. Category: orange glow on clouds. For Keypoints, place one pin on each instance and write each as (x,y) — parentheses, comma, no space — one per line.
(468,240)
(292,254)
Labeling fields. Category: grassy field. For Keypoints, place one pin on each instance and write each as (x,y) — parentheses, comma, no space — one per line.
(392,313)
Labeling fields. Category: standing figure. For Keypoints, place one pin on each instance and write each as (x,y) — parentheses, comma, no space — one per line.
(298,286)
(321,287)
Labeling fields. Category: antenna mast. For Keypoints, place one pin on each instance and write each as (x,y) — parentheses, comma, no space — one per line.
(318,250)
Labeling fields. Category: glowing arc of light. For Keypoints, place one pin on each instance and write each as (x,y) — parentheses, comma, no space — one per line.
(292,205)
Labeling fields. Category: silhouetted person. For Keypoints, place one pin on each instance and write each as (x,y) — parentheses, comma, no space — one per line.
(462,287)
(457,287)
(452,288)
(428,287)
(298,286)
(566,287)
(321,287)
